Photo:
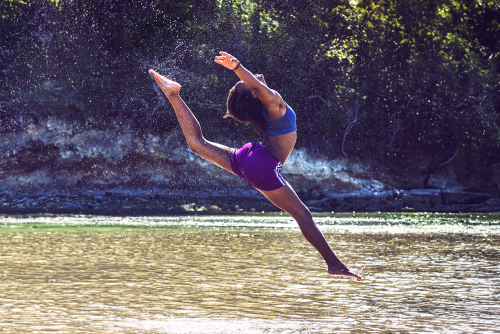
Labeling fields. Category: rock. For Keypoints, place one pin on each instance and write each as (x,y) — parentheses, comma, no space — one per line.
(490,205)
(357,201)
(463,197)
(421,199)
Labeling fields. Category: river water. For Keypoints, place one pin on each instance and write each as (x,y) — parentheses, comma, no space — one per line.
(423,273)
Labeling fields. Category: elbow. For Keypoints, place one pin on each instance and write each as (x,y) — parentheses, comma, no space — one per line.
(194,150)
(196,146)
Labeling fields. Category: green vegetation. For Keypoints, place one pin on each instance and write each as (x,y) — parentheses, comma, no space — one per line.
(411,84)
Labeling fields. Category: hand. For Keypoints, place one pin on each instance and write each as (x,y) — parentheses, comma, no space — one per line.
(226,60)
(260,77)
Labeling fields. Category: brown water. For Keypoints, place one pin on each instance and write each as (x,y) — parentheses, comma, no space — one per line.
(228,279)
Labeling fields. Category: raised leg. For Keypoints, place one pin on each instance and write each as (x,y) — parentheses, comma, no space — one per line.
(287,200)
(218,154)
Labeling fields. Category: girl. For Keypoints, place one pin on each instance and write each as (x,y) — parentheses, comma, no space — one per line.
(252,101)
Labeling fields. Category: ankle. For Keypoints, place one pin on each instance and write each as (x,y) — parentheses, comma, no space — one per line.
(334,263)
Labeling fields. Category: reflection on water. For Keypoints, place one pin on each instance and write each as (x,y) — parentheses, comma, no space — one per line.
(252,280)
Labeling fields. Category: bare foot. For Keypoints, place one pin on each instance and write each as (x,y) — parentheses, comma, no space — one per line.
(168,87)
(342,269)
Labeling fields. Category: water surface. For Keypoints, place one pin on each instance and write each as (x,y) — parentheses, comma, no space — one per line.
(84,274)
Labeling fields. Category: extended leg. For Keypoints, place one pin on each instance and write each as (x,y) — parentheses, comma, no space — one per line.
(287,200)
(213,152)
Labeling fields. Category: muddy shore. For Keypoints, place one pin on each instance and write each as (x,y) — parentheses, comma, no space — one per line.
(120,202)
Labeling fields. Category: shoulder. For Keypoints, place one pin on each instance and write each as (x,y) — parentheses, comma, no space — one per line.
(276,108)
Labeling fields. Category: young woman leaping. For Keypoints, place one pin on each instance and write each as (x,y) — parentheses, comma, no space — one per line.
(252,101)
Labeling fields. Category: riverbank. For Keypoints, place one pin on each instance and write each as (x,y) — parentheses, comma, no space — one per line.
(176,202)
(60,168)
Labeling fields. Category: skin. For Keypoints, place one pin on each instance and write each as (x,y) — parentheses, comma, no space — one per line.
(280,146)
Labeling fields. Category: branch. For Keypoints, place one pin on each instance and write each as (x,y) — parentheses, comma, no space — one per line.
(319,97)
(352,122)
(449,160)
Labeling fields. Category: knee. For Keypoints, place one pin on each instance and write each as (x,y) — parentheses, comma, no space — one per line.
(302,214)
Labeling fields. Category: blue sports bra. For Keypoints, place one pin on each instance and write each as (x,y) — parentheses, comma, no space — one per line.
(285,124)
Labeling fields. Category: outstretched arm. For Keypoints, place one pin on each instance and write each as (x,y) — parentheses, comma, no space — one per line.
(271,99)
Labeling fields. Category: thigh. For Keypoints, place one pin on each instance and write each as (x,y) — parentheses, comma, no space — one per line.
(217,154)
(287,200)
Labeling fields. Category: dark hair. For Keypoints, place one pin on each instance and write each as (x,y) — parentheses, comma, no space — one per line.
(245,107)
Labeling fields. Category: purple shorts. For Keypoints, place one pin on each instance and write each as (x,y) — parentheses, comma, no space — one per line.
(258,166)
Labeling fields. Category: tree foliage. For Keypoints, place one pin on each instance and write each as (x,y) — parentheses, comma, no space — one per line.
(397,81)
(430,72)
